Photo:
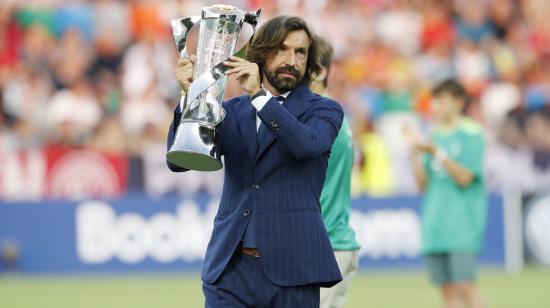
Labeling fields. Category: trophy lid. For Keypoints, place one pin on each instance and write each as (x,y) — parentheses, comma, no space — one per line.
(224,11)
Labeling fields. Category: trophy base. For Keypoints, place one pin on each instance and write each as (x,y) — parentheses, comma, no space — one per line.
(194,148)
(194,161)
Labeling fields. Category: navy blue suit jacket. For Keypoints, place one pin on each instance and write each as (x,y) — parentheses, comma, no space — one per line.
(279,181)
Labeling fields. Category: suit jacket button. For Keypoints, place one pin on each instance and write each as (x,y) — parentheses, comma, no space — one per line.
(255,186)
(246,213)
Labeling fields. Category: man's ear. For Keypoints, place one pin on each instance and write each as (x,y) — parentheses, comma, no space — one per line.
(321,76)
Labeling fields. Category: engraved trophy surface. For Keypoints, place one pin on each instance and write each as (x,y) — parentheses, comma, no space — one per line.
(194,145)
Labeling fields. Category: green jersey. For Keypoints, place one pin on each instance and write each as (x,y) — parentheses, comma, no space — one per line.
(454,217)
(335,197)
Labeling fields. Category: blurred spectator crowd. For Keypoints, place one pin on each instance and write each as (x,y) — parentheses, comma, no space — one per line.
(99,75)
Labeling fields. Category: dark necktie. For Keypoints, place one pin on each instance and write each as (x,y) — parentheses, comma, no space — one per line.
(280,98)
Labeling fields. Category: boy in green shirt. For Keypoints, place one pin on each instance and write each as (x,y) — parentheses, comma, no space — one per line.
(336,195)
(449,169)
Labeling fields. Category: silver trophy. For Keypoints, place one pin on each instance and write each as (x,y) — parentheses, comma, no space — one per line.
(194,145)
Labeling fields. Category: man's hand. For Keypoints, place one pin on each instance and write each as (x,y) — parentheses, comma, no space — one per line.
(428,148)
(184,71)
(247,73)
(419,146)
(417,142)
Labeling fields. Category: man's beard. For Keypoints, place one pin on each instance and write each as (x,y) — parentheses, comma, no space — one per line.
(284,84)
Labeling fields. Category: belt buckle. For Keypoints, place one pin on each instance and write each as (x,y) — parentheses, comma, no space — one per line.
(250,252)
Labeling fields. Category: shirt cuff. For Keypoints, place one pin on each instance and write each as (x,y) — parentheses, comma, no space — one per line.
(260,101)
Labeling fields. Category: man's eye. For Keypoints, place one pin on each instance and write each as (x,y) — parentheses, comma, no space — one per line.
(301,54)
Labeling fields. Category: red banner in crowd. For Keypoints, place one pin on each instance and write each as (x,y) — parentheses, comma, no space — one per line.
(62,173)
(75,173)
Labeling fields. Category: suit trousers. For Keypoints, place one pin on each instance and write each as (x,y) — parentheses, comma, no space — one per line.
(243,283)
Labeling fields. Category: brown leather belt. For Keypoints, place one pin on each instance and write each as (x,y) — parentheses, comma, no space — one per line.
(249,251)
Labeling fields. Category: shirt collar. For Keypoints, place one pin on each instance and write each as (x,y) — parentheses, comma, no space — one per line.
(285,95)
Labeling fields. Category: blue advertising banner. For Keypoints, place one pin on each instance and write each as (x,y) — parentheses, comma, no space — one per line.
(141,233)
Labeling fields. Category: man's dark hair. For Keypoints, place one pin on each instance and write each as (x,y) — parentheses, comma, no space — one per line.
(456,90)
(452,87)
(325,52)
(270,37)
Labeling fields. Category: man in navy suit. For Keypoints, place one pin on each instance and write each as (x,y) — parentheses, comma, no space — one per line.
(269,247)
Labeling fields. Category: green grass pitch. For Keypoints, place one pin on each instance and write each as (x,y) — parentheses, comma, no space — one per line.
(531,289)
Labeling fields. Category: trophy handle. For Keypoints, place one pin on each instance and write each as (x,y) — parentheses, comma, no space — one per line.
(180,29)
(253,17)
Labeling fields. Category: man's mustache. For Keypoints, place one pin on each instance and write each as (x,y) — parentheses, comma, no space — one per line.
(288,70)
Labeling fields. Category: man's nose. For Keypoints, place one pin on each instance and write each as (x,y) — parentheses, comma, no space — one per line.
(290,58)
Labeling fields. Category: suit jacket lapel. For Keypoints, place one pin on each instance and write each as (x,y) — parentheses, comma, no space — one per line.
(296,103)
(246,115)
